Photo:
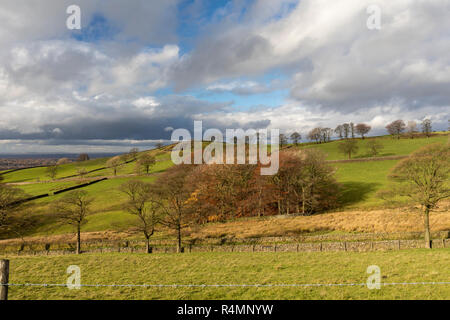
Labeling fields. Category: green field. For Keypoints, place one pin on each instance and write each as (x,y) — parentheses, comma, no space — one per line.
(236,268)
(392,147)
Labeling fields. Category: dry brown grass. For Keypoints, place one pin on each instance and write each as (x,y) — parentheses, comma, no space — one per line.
(376,221)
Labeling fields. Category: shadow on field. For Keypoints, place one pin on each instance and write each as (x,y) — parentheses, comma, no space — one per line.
(353,192)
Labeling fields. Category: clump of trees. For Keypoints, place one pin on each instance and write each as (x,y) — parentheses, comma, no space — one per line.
(304,184)
(320,135)
(424,177)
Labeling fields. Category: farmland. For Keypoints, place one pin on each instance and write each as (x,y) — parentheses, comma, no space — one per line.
(236,268)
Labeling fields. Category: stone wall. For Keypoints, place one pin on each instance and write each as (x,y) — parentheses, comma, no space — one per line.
(355,246)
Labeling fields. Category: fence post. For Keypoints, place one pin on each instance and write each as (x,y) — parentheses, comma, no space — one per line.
(4,279)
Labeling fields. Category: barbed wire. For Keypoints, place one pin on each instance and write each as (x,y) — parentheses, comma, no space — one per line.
(221,285)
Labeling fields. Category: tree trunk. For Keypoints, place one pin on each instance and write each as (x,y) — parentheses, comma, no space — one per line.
(179,239)
(78,240)
(147,246)
(427,228)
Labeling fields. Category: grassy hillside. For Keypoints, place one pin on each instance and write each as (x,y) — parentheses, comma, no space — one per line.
(236,268)
(360,182)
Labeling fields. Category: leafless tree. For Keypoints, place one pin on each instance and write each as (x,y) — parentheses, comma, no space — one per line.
(348,147)
(315,135)
(283,140)
(362,129)
(52,171)
(141,203)
(374,146)
(352,129)
(424,177)
(134,153)
(10,205)
(339,131)
(173,196)
(396,128)
(411,128)
(114,164)
(146,161)
(346,129)
(83,157)
(73,209)
(296,137)
(426,127)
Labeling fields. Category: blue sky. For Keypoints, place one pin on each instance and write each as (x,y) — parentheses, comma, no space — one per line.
(138,68)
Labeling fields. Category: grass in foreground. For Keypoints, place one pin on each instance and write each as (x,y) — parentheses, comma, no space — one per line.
(236,268)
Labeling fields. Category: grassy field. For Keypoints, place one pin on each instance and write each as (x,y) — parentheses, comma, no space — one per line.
(392,147)
(236,268)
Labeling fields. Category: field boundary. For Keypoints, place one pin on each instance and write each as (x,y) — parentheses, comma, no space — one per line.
(126,247)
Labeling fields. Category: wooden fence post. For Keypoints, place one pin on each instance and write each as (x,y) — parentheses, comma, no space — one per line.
(4,279)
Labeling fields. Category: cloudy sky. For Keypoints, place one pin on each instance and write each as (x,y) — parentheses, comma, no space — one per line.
(139,68)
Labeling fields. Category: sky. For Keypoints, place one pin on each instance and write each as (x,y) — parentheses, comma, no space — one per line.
(138,69)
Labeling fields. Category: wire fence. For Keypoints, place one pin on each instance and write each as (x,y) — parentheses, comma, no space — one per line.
(224,285)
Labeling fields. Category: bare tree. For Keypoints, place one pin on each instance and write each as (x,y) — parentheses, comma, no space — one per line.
(348,147)
(339,131)
(283,140)
(424,177)
(352,129)
(82,172)
(10,205)
(396,128)
(374,146)
(315,135)
(52,171)
(411,128)
(114,164)
(141,204)
(83,157)
(146,161)
(362,129)
(173,196)
(346,129)
(296,137)
(73,209)
(133,153)
(63,161)
(426,127)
